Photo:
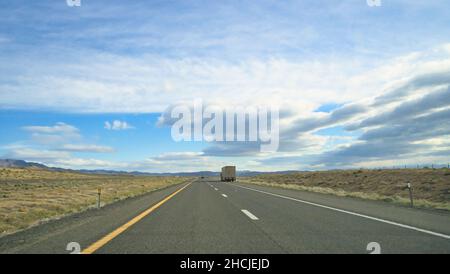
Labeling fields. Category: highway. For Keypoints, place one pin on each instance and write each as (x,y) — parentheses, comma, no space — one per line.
(208,216)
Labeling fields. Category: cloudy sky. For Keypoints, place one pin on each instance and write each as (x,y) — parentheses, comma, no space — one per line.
(357,86)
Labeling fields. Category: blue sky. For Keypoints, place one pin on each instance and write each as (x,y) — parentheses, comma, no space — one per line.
(143,137)
(358,86)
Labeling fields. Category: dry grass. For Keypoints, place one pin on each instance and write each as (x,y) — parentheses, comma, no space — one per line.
(29,196)
(431,187)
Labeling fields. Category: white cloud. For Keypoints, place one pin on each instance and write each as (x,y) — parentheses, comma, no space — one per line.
(179,162)
(51,135)
(166,162)
(30,154)
(80,163)
(86,148)
(177,156)
(117,125)
(112,83)
(50,145)
(59,128)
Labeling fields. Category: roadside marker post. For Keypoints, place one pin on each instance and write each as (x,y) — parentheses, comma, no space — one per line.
(410,194)
(99,193)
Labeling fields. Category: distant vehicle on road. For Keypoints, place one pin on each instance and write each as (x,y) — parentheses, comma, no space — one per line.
(228,174)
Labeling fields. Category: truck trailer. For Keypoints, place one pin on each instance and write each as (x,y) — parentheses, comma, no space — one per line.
(228,174)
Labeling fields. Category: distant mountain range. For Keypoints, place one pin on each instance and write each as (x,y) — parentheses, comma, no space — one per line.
(20,164)
(24,164)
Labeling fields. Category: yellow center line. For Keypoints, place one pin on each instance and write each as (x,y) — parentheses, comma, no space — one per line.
(95,246)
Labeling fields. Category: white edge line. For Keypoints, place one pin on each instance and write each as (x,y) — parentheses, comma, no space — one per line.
(352,213)
(224,195)
(249,214)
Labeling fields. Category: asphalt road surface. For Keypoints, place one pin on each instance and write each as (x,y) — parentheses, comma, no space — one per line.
(208,216)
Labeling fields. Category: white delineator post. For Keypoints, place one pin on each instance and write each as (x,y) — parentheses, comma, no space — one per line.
(410,194)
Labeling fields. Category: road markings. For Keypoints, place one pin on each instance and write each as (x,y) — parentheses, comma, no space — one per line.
(352,213)
(249,214)
(216,189)
(95,246)
(224,195)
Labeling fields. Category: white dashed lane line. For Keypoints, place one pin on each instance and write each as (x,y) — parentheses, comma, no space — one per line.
(249,214)
(224,195)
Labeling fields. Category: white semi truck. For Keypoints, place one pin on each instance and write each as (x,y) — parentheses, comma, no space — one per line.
(228,174)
